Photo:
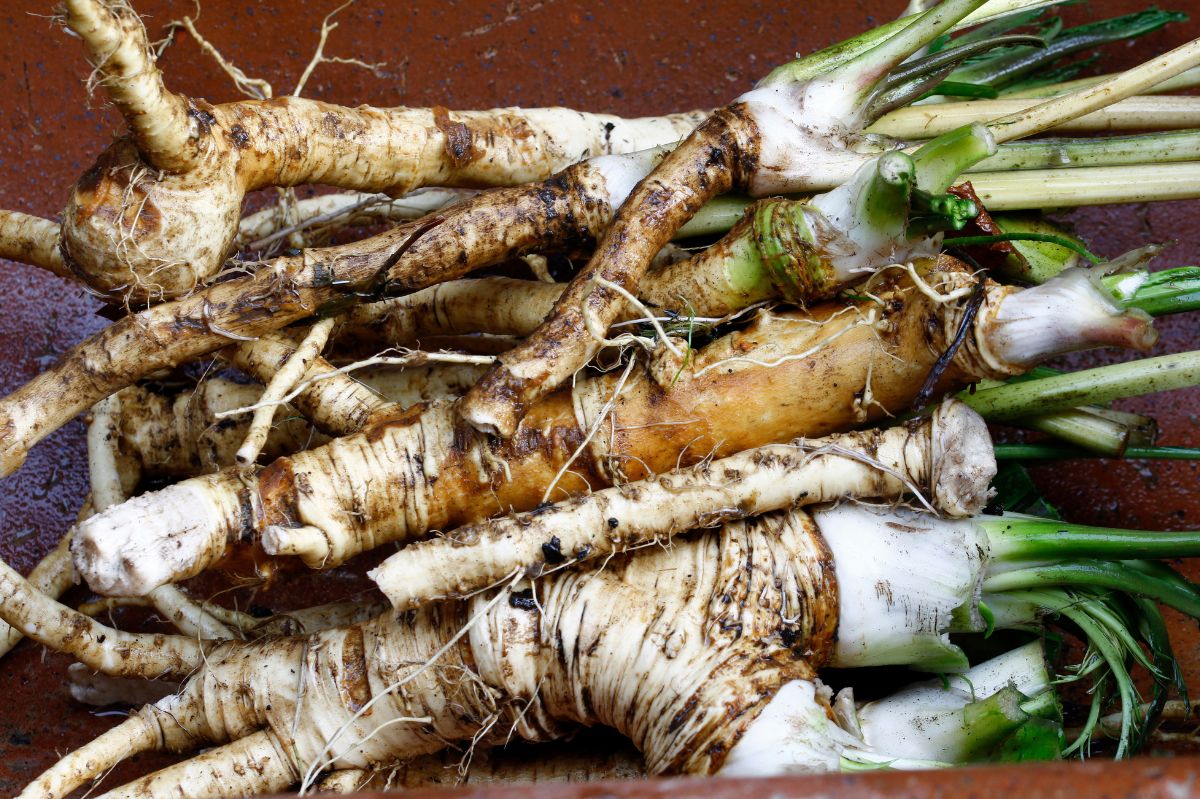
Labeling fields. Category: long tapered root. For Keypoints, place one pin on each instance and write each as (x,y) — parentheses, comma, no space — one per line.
(139,733)
(52,576)
(711,161)
(254,765)
(102,648)
(471,235)
(31,240)
(947,457)
(155,217)
(120,52)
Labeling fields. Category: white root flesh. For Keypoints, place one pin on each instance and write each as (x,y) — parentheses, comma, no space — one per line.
(947,457)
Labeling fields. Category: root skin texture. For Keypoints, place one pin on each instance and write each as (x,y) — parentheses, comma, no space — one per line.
(31,240)
(99,647)
(719,155)
(397,481)
(158,212)
(956,480)
(679,649)
(564,211)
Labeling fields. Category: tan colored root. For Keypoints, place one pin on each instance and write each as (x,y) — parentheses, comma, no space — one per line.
(141,732)
(317,217)
(156,220)
(714,158)
(473,234)
(336,403)
(31,240)
(396,481)
(99,647)
(51,577)
(125,64)
(497,305)
(181,436)
(873,464)
(257,764)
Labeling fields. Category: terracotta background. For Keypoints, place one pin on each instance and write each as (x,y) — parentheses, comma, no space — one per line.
(624,57)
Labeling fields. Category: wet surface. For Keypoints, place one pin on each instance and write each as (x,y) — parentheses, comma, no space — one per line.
(627,58)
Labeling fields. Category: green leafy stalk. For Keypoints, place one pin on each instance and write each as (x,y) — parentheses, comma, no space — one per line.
(1015,538)
(1147,148)
(1003,68)
(1113,575)
(1055,452)
(1089,387)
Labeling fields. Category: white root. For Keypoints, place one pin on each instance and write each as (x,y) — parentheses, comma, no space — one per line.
(32,240)
(118,49)
(99,647)
(506,670)
(111,478)
(396,481)
(189,165)
(947,456)
(281,383)
(260,763)
(141,732)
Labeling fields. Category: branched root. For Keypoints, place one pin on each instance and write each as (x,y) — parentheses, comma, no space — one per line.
(120,51)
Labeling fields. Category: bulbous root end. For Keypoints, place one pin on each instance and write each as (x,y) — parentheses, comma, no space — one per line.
(1065,314)
(963,461)
(156,538)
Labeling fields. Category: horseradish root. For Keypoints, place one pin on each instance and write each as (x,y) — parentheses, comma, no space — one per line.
(946,461)
(158,212)
(801,118)
(398,480)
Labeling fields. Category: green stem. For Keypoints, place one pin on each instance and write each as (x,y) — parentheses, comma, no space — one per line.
(1157,293)
(1111,575)
(868,57)
(1089,387)
(940,162)
(1101,185)
(1099,430)
(1055,452)
(1014,538)
(1005,68)
(718,215)
(1181,82)
(1148,148)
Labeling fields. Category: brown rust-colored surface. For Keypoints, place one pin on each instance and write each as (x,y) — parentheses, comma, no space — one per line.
(623,57)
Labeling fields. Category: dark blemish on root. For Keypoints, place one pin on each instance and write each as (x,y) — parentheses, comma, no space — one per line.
(552,551)
(523,600)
